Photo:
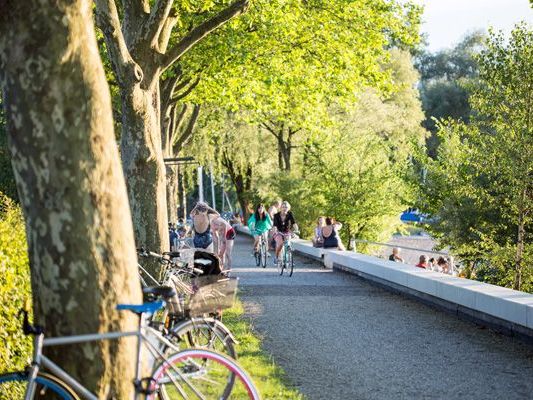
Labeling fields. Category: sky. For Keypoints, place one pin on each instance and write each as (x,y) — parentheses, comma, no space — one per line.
(447,21)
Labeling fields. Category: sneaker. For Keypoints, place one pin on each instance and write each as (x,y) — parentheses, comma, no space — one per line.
(275,261)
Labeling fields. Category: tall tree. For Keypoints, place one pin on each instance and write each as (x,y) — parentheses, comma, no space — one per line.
(70,184)
(143,40)
(285,62)
(240,151)
(357,171)
(480,186)
(504,100)
(445,80)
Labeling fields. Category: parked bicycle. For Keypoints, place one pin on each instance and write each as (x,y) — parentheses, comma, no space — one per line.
(192,315)
(262,255)
(187,374)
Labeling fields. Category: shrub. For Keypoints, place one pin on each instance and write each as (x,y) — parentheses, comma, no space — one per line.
(14,285)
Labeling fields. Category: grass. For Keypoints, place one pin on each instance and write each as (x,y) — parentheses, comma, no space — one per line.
(270,379)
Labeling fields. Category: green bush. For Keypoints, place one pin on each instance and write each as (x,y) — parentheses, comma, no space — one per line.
(7,178)
(14,285)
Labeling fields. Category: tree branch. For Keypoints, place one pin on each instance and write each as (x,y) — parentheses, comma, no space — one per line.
(109,22)
(270,129)
(167,88)
(164,36)
(187,91)
(155,23)
(202,30)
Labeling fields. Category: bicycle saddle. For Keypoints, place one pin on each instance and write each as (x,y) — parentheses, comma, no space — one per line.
(142,308)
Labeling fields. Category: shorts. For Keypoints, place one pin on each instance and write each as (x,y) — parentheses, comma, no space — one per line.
(230,234)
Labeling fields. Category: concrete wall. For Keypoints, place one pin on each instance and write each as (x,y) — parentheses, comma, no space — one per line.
(507,310)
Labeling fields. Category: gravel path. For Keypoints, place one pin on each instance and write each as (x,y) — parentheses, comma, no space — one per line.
(338,337)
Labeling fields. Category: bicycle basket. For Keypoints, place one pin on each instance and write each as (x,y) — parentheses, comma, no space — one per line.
(211,294)
(207,262)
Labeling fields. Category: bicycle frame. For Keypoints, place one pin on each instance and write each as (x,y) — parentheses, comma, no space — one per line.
(41,360)
(286,245)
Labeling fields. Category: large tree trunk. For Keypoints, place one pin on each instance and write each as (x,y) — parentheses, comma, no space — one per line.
(71,186)
(144,168)
(242,181)
(172,192)
(182,194)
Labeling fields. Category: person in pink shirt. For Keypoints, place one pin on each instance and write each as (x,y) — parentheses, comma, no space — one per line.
(224,236)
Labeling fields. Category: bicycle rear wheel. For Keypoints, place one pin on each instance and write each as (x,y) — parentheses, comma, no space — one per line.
(206,333)
(202,374)
(13,387)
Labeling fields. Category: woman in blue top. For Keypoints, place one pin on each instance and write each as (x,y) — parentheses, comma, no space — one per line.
(259,224)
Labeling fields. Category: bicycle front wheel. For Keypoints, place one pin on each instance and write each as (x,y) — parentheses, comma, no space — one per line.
(205,333)
(290,263)
(13,387)
(264,254)
(200,374)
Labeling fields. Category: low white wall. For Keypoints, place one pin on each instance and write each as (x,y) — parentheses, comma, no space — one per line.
(475,299)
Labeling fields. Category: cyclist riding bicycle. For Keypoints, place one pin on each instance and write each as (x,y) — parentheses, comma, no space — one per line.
(259,224)
(284,225)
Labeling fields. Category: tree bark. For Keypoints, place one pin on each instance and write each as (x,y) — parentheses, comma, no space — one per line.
(72,190)
(172,192)
(242,182)
(144,168)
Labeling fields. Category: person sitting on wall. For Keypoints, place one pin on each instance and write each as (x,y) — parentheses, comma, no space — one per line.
(318,240)
(443,265)
(422,262)
(330,235)
(395,256)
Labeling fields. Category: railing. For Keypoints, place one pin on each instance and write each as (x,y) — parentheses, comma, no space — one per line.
(399,246)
